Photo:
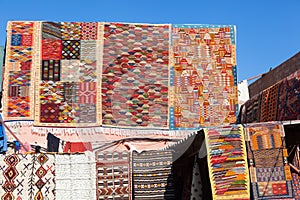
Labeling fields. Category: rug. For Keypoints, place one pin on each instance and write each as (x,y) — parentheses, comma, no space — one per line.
(75,176)
(227,162)
(203,76)
(113,174)
(269,104)
(152,176)
(270,173)
(135,75)
(19,73)
(68,77)
(29,176)
(289,98)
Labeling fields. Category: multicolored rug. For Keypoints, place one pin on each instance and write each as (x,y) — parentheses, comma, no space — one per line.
(270,173)
(227,162)
(19,74)
(113,173)
(75,176)
(135,75)
(151,175)
(203,76)
(288,98)
(28,176)
(69,75)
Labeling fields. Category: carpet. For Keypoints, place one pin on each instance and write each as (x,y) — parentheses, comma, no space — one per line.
(270,173)
(227,162)
(135,75)
(203,76)
(19,73)
(113,174)
(151,175)
(28,176)
(68,77)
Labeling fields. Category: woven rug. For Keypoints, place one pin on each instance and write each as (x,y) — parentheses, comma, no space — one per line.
(19,74)
(27,176)
(270,173)
(113,173)
(151,175)
(289,99)
(203,76)
(75,176)
(135,75)
(269,104)
(227,162)
(68,74)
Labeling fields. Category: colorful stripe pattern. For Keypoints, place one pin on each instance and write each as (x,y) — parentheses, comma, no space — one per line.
(227,162)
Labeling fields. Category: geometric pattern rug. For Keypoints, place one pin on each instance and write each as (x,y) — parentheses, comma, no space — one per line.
(270,173)
(113,174)
(227,162)
(203,76)
(29,176)
(19,73)
(152,175)
(135,75)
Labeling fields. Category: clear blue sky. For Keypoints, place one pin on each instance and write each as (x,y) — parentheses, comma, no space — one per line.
(268,31)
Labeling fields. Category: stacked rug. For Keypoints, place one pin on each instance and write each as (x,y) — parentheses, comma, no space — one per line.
(227,162)
(28,176)
(269,171)
(113,174)
(152,176)
(75,176)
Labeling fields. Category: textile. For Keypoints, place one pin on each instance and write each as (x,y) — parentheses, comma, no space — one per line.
(270,173)
(19,74)
(196,190)
(269,104)
(75,176)
(288,98)
(114,177)
(152,175)
(203,76)
(52,143)
(29,176)
(73,147)
(68,77)
(1,69)
(135,75)
(227,162)
(296,186)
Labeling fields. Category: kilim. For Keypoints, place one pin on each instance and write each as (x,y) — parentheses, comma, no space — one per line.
(152,176)
(227,162)
(288,98)
(75,176)
(269,104)
(68,75)
(296,186)
(270,173)
(29,176)
(19,74)
(113,173)
(203,76)
(135,75)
